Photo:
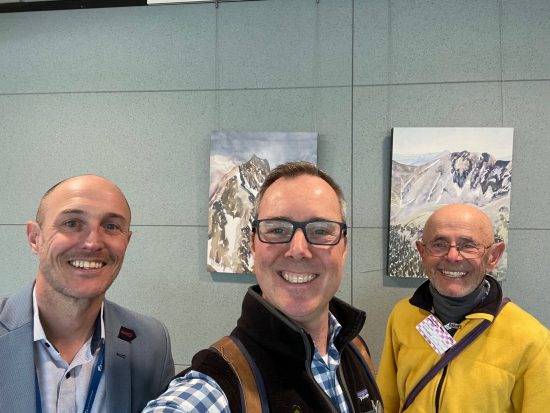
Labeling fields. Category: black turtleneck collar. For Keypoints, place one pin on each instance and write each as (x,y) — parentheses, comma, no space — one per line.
(454,309)
(423,298)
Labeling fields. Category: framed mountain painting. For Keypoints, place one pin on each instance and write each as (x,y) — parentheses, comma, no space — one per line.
(432,167)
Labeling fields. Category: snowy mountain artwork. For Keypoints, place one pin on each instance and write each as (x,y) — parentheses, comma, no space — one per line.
(432,167)
(239,164)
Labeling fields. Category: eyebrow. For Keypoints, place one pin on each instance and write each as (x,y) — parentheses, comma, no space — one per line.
(464,238)
(72,211)
(81,212)
(285,218)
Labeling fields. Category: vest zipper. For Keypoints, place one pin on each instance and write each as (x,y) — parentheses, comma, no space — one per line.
(344,387)
(333,409)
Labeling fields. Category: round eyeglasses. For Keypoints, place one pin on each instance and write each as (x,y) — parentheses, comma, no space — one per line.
(281,231)
(440,248)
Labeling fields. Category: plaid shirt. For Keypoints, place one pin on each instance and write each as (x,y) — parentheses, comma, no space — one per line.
(199,393)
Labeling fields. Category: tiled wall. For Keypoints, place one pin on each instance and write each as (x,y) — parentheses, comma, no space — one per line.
(133,94)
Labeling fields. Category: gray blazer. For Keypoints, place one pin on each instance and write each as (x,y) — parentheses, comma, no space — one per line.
(136,371)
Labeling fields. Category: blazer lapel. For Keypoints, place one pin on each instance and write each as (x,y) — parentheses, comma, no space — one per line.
(118,377)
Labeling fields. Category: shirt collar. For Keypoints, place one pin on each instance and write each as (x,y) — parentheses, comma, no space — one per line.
(98,335)
(334,328)
(332,358)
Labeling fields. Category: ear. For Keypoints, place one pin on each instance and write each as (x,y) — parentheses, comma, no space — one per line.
(494,254)
(251,242)
(420,247)
(345,239)
(33,236)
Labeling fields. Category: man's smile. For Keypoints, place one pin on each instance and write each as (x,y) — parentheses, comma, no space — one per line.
(453,274)
(87,264)
(297,278)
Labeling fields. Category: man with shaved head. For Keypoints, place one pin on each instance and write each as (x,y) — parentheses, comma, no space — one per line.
(63,347)
(456,345)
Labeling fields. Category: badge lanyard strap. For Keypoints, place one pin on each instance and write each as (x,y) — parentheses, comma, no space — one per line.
(92,389)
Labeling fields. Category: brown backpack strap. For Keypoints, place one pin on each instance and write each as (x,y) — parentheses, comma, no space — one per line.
(364,351)
(236,356)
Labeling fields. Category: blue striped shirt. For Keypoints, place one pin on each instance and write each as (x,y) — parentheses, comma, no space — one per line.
(199,393)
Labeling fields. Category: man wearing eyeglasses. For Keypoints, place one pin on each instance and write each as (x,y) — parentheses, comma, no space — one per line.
(295,331)
(505,367)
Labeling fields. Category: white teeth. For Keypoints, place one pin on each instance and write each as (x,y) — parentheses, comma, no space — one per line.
(453,274)
(297,278)
(86,264)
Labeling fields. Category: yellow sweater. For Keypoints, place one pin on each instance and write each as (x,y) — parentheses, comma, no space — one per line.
(506,369)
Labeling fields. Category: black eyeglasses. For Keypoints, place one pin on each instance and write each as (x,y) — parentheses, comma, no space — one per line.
(468,249)
(281,231)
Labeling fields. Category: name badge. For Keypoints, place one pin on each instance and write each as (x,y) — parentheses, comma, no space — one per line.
(435,334)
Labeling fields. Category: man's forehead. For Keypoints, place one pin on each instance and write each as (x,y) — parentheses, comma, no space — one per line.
(465,225)
(284,186)
(77,194)
(300,191)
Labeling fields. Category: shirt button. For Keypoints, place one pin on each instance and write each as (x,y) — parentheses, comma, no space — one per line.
(47,345)
(68,375)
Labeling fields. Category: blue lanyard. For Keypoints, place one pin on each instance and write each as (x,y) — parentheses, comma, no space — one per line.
(99,366)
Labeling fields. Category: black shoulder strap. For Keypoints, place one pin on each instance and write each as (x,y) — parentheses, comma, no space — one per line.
(253,393)
(449,355)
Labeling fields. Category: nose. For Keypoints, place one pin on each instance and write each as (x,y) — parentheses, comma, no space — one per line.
(298,247)
(93,238)
(453,254)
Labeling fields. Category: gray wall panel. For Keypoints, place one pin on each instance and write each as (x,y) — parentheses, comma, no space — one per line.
(284,43)
(527,109)
(372,42)
(527,270)
(371,156)
(446,104)
(444,41)
(127,48)
(525,34)
(16,260)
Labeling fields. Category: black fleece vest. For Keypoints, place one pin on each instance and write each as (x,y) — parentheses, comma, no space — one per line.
(283,353)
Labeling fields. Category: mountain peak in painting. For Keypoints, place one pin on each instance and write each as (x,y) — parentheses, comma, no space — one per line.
(230,216)
(471,177)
